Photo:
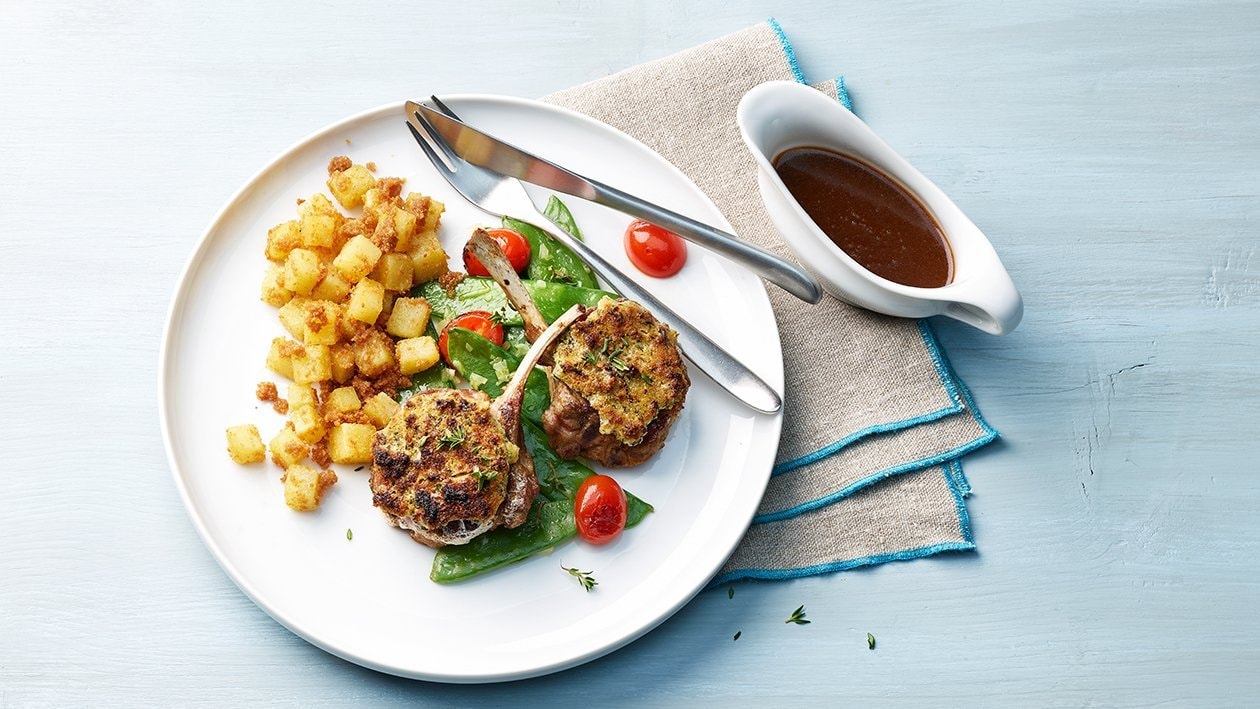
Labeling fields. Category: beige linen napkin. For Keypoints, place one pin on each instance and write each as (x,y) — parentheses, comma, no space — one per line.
(867,467)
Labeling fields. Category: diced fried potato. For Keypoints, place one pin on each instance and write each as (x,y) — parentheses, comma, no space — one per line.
(344,399)
(380,409)
(301,395)
(293,316)
(278,359)
(286,448)
(307,423)
(312,365)
(245,445)
(318,204)
(356,259)
(373,198)
(273,290)
(428,260)
(404,229)
(409,318)
(332,287)
(281,239)
(319,327)
(433,216)
(366,301)
(348,186)
(374,354)
(318,230)
(342,362)
(351,443)
(416,354)
(304,487)
(394,272)
(384,235)
(302,270)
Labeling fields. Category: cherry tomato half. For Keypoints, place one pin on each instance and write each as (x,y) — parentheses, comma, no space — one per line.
(514,244)
(653,250)
(479,321)
(600,509)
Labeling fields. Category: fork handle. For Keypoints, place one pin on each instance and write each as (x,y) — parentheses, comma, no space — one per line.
(779,271)
(720,366)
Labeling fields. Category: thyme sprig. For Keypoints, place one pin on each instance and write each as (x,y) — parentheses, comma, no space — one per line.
(798,617)
(613,356)
(584,577)
(453,437)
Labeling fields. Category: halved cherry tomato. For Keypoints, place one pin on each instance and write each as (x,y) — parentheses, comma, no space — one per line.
(514,244)
(479,321)
(600,509)
(653,250)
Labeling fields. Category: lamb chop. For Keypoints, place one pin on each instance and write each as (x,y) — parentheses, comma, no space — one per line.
(617,379)
(452,465)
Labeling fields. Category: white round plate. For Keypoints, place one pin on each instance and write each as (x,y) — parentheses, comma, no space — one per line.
(369,600)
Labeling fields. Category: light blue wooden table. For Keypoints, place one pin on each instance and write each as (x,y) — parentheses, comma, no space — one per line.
(1112,152)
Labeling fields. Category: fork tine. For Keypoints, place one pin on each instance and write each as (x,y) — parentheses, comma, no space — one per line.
(437,139)
(443,107)
(423,140)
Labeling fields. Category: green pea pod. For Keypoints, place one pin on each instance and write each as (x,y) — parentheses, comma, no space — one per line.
(488,367)
(551,260)
(550,522)
(560,215)
(473,293)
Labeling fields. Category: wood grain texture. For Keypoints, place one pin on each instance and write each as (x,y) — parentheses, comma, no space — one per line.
(1110,150)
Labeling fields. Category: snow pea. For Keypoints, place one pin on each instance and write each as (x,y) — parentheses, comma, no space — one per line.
(475,293)
(488,367)
(551,260)
(560,215)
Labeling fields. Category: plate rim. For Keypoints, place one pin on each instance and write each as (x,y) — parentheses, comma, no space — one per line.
(170,329)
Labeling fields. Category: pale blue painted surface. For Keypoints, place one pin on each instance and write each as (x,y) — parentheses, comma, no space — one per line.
(1110,150)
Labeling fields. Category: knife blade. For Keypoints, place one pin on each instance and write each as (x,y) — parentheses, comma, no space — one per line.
(484,150)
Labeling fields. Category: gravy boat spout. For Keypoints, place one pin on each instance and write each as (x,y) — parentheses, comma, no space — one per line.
(781,115)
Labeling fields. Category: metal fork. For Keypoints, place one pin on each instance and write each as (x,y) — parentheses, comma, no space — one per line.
(501,196)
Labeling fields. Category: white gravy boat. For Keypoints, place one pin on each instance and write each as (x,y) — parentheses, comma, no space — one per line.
(781,115)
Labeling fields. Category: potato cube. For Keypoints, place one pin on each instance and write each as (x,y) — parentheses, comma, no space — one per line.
(293,316)
(304,487)
(433,217)
(301,395)
(394,272)
(373,198)
(312,365)
(366,301)
(344,399)
(416,354)
(278,358)
(356,259)
(286,448)
(404,229)
(428,260)
(281,239)
(351,443)
(332,288)
(273,290)
(319,327)
(245,445)
(302,270)
(409,317)
(319,204)
(342,363)
(318,230)
(307,423)
(349,185)
(380,409)
(374,354)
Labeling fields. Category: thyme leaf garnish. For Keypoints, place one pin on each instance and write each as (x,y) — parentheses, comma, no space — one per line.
(798,617)
(870,641)
(453,437)
(584,577)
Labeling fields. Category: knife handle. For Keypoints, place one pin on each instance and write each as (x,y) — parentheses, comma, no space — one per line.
(782,273)
(725,371)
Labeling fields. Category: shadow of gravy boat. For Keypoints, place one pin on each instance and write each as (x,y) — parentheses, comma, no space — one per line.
(781,115)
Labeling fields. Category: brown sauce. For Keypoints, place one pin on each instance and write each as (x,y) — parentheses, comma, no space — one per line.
(868,215)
